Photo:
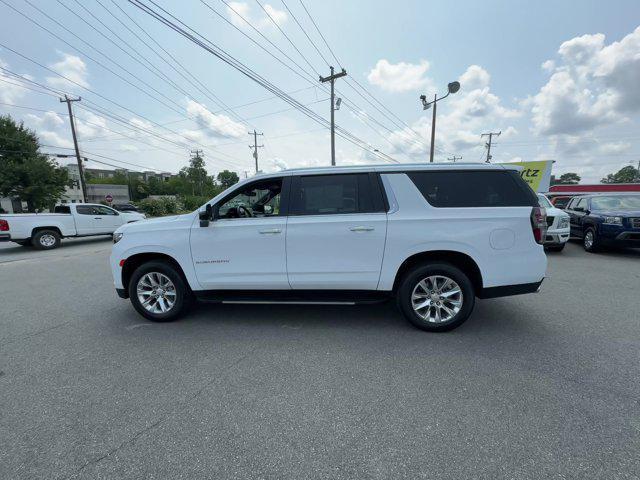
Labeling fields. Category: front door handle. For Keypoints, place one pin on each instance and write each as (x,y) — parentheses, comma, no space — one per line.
(361,229)
(97,218)
(272,231)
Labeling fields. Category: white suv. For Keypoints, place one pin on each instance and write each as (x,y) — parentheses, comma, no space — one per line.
(432,236)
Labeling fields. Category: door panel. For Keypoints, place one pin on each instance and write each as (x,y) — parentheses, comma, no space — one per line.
(84,220)
(244,248)
(335,251)
(241,253)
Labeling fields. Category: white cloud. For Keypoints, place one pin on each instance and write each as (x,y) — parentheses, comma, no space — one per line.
(55,139)
(548,65)
(73,68)
(594,84)
(238,12)
(217,125)
(10,93)
(399,77)
(48,120)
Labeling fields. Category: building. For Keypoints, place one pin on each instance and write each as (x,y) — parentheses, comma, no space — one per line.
(97,193)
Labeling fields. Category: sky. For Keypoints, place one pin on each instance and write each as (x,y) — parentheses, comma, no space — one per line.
(559,79)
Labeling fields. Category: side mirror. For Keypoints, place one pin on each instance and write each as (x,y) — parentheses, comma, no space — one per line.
(206,216)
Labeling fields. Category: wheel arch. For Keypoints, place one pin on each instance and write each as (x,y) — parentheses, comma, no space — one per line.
(39,229)
(458,259)
(134,261)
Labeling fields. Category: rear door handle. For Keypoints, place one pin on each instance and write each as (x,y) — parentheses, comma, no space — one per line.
(270,231)
(361,229)
(97,218)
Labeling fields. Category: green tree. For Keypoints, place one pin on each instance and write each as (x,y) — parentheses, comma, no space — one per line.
(24,171)
(227,178)
(628,174)
(569,178)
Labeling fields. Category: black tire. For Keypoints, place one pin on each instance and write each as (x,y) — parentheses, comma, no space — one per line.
(412,278)
(556,248)
(46,240)
(183,293)
(594,245)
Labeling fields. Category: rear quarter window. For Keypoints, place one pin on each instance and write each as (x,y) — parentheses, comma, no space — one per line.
(468,188)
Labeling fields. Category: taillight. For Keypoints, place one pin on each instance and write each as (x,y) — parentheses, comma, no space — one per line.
(4,226)
(539,224)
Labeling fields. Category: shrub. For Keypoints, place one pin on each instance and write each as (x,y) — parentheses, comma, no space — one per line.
(192,202)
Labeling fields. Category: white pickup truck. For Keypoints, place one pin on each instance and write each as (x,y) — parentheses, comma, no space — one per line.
(44,230)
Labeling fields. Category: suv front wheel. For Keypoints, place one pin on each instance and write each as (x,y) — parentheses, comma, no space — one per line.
(158,292)
(436,297)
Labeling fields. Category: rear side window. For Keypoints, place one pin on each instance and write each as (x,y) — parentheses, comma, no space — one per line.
(467,188)
(335,194)
(62,209)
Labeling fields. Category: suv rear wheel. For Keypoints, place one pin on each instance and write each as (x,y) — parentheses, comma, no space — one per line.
(158,292)
(436,297)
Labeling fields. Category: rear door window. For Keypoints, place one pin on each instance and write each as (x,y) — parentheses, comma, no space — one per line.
(335,194)
(468,188)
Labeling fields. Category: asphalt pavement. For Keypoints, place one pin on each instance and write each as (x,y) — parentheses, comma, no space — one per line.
(531,387)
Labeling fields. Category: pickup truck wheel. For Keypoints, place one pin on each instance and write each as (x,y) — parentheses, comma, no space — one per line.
(590,240)
(158,292)
(436,297)
(46,240)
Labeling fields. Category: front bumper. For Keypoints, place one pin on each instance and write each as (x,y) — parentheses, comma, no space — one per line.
(619,236)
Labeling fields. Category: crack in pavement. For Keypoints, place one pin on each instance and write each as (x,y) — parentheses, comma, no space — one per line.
(172,411)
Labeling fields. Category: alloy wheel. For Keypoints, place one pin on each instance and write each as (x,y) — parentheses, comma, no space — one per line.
(47,240)
(588,239)
(156,292)
(437,299)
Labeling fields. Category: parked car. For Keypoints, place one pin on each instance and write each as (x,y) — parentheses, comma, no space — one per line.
(560,201)
(44,230)
(602,220)
(557,226)
(435,237)
(125,207)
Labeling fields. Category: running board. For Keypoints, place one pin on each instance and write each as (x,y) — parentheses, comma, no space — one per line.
(294,297)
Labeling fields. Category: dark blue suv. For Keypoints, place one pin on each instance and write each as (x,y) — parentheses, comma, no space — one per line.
(602,220)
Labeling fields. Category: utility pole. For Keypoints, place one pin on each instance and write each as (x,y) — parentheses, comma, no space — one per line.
(332,78)
(68,101)
(454,158)
(488,144)
(255,146)
(197,154)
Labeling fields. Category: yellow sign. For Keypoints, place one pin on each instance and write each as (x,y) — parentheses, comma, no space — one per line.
(536,174)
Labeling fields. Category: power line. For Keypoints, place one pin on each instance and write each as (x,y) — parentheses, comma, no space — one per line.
(218,52)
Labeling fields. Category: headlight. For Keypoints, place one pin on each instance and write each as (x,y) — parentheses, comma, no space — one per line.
(613,220)
(117,237)
(564,222)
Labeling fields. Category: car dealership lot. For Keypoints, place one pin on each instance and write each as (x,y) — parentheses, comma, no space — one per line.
(535,386)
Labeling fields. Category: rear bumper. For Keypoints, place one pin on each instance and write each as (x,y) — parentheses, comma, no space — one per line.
(508,290)
(5,237)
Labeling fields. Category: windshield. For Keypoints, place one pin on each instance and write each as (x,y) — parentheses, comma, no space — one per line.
(544,201)
(618,202)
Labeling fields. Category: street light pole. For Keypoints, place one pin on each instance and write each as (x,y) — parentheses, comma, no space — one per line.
(452,87)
